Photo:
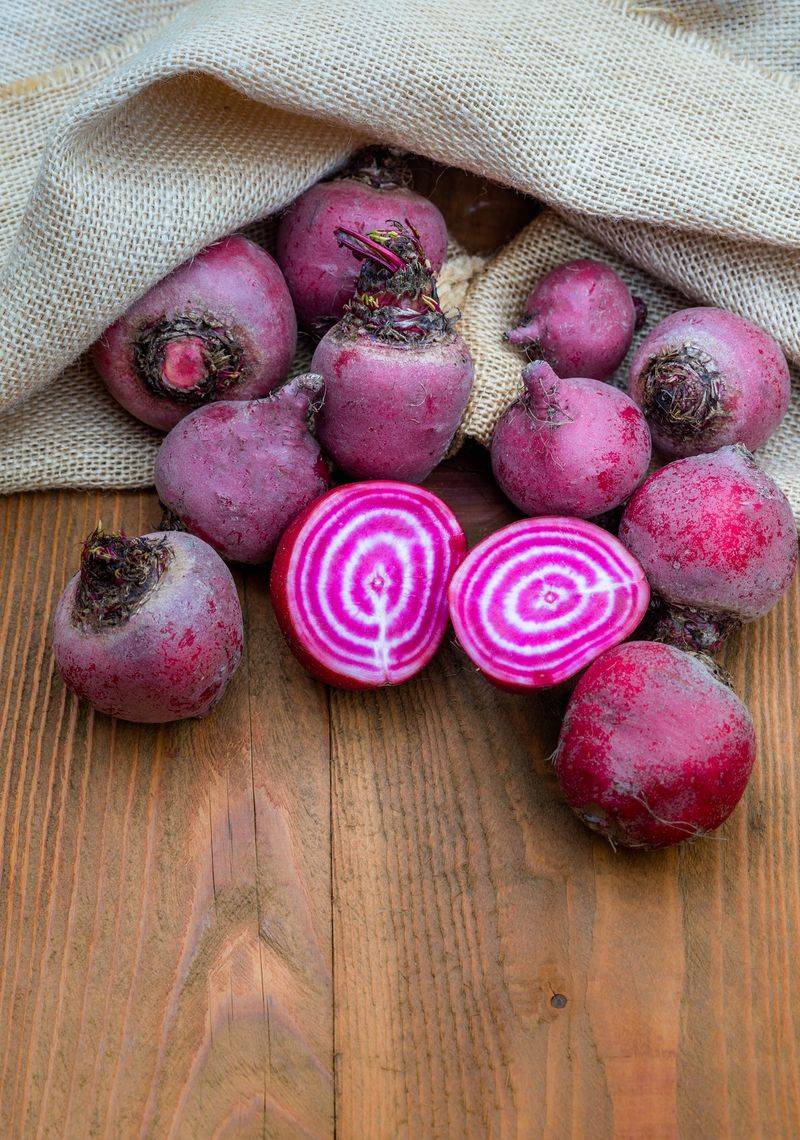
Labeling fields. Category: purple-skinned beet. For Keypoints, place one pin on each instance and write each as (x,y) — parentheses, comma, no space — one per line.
(580,318)
(706,378)
(574,447)
(369,195)
(150,629)
(397,375)
(237,472)
(220,327)
(718,542)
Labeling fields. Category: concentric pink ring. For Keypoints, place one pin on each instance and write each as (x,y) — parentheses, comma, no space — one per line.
(537,601)
(359,582)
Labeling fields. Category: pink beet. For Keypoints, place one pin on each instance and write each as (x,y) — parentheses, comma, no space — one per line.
(359,583)
(221,327)
(538,600)
(655,747)
(569,446)
(237,472)
(580,318)
(706,378)
(150,629)
(397,377)
(371,194)
(717,540)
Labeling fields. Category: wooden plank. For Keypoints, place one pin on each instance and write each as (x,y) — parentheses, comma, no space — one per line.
(165,903)
(165,925)
(502,972)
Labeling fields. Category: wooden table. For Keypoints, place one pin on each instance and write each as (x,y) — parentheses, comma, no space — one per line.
(371,912)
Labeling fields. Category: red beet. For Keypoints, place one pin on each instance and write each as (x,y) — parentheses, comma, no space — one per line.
(535,602)
(237,472)
(397,377)
(221,327)
(655,747)
(150,629)
(359,583)
(706,378)
(569,446)
(371,193)
(580,318)
(718,543)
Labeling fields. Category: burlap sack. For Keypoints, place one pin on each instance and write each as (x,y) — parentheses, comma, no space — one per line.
(669,134)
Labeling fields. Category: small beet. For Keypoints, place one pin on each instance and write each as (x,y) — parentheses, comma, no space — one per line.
(535,602)
(706,378)
(359,583)
(397,377)
(221,327)
(718,542)
(237,472)
(655,747)
(580,318)
(569,446)
(369,195)
(150,629)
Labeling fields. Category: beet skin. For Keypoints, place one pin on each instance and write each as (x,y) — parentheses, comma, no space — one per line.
(569,446)
(237,472)
(655,747)
(706,378)
(221,327)
(580,318)
(150,629)
(371,195)
(718,542)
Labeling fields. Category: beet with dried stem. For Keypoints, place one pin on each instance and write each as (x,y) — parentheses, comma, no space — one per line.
(374,189)
(706,378)
(397,376)
(150,629)
(220,327)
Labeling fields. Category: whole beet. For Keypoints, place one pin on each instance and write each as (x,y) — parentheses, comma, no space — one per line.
(569,446)
(369,195)
(237,472)
(706,378)
(580,318)
(397,376)
(221,327)
(717,540)
(150,629)
(655,747)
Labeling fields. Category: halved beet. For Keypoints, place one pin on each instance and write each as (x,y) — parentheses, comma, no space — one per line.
(537,601)
(359,582)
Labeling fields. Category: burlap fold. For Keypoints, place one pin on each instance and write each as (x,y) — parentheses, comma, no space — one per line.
(669,135)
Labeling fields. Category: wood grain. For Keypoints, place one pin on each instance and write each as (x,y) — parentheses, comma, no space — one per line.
(501,972)
(165,909)
(373,907)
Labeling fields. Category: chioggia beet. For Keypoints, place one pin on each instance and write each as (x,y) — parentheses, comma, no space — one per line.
(717,540)
(580,318)
(706,378)
(359,582)
(655,747)
(371,193)
(535,602)
(569,446)
(150,629)
(237,472)
(397,376)
(221,327)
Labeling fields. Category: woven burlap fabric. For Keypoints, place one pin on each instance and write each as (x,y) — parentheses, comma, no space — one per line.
(160,131)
